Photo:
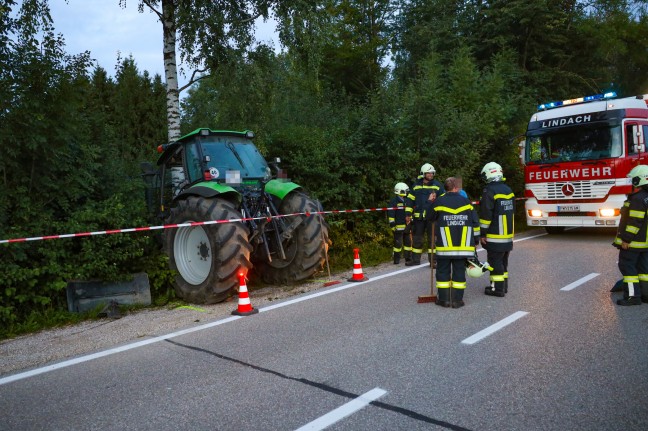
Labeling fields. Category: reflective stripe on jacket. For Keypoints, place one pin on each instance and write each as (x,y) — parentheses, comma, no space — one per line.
(417,201)
(457,226)
(496,216)
(397,216)
(633,228)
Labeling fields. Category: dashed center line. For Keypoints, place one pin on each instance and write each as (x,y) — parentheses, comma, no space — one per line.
(494,328)
(580,281)
(343,411)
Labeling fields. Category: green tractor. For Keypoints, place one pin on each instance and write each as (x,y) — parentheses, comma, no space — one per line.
(210,175)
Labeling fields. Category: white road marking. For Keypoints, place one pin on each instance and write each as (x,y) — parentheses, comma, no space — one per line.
(580,281)
(494,328)
(124,348)
(337,289)
(521,239)
(101,354)
(343,411)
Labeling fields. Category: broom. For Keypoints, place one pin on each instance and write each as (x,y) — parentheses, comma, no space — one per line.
(432,297)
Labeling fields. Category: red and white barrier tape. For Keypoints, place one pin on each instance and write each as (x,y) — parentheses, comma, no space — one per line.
(178,225)
(197,223)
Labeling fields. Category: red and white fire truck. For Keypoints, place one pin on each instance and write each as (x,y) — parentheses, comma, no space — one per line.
(576,156)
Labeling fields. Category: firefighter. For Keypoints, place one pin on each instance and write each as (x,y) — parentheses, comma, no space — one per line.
(496,212)
(456,232)
(396,217)
(632,240)
(422,194)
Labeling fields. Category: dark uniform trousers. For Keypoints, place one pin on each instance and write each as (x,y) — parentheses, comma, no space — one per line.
(407,242)
(457,232)
(498,261)
(402,230)
(633,265)
(417,206)
(451,278)
(633,229)
(497,209)
(403,243)
(421,228)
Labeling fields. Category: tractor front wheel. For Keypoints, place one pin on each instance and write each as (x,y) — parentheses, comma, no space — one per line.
(305,249)
(207,258)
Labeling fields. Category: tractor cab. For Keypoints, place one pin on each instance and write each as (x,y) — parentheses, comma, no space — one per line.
(226,157)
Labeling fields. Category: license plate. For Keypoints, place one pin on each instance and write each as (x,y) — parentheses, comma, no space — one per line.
(568,208)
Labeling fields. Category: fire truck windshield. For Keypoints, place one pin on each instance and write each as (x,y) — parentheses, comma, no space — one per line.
(574,144)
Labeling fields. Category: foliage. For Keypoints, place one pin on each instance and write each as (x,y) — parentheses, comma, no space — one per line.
(371,235)
(353,55)
(347,120)
(67,166)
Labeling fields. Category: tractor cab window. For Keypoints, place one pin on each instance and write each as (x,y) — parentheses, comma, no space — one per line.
(194,169)
(232,153)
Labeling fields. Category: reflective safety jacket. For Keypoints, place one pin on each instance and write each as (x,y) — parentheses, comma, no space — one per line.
(417,200)
(633,227)
(457,226)
(496,214)
(397,217)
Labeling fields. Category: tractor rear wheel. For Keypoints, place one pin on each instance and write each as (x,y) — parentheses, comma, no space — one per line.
(208,258)
(305,250)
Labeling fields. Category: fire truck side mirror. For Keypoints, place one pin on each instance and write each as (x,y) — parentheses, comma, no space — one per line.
(522,147)
(638,142)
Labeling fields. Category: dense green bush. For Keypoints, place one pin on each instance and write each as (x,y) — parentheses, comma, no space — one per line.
(461,86)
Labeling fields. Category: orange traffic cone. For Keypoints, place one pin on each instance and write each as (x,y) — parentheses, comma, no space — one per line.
(244,306)
(357,267)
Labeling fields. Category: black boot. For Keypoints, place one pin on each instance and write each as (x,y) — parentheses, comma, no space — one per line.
(496,290)
(632,300)
(416,260)
(443,298)
(457,298)
(628,288)
(396,258)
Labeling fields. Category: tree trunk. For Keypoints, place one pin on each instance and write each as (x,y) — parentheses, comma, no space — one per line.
(170,69)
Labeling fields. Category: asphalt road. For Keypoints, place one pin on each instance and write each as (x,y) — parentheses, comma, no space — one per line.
(555,354)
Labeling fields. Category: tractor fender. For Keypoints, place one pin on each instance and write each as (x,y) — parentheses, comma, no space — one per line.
(210,190)
(280,189)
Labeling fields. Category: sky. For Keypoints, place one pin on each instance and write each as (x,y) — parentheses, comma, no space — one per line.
(105,29)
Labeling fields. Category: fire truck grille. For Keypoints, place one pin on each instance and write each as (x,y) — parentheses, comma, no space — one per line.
(573,214)
(569,190)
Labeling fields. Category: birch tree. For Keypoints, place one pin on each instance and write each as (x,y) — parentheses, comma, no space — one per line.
(209,33)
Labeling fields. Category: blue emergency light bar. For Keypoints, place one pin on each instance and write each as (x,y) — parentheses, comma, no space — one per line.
(585,99)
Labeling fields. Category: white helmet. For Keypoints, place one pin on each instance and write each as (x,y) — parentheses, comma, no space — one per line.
(639,175)
(427,168)
(401,189)
(473,270)
(492,172)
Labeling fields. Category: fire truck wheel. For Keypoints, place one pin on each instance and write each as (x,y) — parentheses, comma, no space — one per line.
(207,257)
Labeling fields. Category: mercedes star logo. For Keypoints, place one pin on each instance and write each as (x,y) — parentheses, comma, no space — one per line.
(568,189)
